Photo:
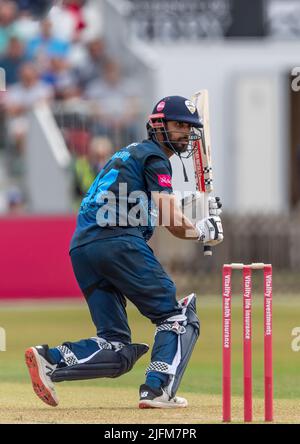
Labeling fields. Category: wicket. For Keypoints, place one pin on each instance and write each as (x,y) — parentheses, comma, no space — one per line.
(247,339)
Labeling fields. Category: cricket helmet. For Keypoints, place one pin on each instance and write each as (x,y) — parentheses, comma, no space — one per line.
(178,109)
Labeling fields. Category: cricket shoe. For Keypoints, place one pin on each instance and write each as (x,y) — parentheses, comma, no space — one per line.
(40,370)
(151,398)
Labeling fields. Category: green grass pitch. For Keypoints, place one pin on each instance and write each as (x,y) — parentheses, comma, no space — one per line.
(115,400)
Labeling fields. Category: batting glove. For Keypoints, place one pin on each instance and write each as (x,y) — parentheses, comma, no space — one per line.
(210,231)
(214,206)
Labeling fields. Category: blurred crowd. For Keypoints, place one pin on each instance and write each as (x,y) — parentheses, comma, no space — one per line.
(175,20)
(63,59)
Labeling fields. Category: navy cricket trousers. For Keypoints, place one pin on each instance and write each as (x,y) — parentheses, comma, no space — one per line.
(108,270)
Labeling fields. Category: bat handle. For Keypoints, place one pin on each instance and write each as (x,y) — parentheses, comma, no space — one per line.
(207,250)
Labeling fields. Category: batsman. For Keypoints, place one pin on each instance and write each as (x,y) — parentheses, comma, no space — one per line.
(113,263)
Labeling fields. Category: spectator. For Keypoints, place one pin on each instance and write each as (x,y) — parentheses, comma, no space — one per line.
(46,45)
(26,27)
(15,201)
(12,60)
(93,63)
(78,19)
(60,77)
(75,7)
(115,104)
(22,97)
(63,23)
(8,12)
(37,8)
(92,14)
(100,151)
(87,167)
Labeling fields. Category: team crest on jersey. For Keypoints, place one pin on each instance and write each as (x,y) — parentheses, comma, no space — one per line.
(190,106)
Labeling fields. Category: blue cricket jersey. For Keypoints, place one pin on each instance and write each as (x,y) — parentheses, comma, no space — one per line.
(119,200)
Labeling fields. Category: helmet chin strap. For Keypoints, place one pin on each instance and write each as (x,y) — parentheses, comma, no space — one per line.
(186,179)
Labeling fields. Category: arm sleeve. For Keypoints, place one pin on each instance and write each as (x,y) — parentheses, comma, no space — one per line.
(158,174)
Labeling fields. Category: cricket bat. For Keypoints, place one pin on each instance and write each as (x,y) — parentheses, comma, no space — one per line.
(202,154)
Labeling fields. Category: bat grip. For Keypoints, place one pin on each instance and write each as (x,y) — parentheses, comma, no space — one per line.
(207,250)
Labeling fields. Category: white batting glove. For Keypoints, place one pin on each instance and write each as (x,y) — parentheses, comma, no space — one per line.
(210,230)
(214,206)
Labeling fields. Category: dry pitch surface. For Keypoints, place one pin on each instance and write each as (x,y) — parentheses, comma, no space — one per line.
(118,406)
